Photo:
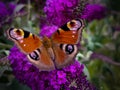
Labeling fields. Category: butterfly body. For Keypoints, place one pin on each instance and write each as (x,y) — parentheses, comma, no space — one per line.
(49,53)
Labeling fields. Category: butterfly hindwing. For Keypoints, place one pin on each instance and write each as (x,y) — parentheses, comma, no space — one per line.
(64,54)
(41,59)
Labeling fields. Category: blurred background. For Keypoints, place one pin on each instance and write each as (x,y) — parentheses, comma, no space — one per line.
(100,45)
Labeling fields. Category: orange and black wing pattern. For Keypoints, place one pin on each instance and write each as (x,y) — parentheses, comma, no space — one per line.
(69,33)
(25,40)
(65,41)
(33,47)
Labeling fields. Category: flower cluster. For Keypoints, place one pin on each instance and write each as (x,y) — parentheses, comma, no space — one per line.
(68,78)
(71,77)
(60,11)
(94,11)
(5,12)
(48,30)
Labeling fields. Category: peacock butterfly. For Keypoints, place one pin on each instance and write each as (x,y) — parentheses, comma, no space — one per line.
(49,53)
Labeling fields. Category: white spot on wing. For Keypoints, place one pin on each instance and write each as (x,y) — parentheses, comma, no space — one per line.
(73,36)
(24,45)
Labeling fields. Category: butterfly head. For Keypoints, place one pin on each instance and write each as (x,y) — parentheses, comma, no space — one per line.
(16,34)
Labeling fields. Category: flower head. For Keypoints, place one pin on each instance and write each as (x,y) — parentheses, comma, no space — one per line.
(68,78)
(6,12)
(11,8)
(61,77)
(48,30)
(60,11)
(94,11)
(3,12)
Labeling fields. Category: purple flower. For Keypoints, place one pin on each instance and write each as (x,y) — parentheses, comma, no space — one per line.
(61,74)
(94,11)
(48,30)
(69,78)
(5,12)
(61,77)
(11,7)
(60,11)
(65,78)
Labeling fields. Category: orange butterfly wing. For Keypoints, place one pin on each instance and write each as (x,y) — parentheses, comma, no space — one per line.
(25,40)
(31,45)
(69,33)
(69,37)
(65,42)
(41,59)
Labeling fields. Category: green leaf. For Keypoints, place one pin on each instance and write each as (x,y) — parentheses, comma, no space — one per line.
(19,7)
(86,72)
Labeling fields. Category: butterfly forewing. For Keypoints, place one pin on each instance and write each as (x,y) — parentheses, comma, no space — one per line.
(69,37)
(25,40)
(69,33)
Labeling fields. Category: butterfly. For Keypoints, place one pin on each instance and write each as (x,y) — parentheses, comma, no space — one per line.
(50,53)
